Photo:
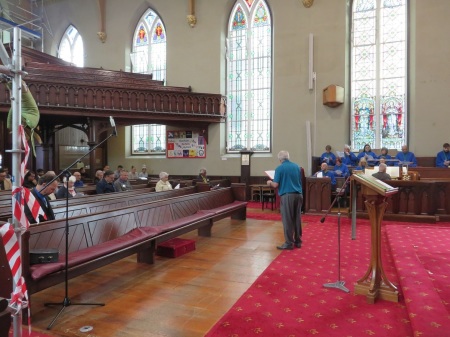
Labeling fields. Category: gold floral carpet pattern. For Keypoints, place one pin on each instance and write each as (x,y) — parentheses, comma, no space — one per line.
(289,298)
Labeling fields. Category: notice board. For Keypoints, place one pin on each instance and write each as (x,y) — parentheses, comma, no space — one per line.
(185,144)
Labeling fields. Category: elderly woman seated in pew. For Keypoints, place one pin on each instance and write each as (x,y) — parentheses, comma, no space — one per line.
(163,184)
(68,187)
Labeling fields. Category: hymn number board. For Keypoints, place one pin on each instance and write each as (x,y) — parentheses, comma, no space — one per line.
(185,144)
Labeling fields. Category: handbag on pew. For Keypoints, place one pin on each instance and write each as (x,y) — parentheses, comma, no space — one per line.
(44,255)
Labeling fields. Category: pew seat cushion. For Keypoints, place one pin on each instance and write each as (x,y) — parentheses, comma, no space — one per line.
(134,236)
(177,223)
(235,205)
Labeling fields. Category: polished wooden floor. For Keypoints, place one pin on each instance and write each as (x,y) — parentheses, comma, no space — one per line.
(181,297)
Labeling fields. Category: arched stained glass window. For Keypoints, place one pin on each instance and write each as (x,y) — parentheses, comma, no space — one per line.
(249,77)
(378,77)
(149,57)
(71,47)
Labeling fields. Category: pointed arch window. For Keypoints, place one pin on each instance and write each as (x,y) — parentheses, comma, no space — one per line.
(148,56)
(71,47)
(249,77)
(379,75)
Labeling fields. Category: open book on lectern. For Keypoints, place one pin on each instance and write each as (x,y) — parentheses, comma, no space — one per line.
(380,186)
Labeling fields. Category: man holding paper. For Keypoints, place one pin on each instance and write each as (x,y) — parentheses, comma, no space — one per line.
(288,181)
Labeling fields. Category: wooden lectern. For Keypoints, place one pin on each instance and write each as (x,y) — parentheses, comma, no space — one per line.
(375,284)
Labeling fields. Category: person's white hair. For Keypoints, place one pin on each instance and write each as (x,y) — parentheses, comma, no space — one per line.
(71,178)
(382,167)
(202,170)
(163,175)
(283,155)
(346,146)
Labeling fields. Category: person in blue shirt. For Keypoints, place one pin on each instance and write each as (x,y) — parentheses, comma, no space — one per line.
(78,182)
(288,180)
(362,165)
(368,154)
(340,169)
(328,156)
(384,155)
(324,172)
(443,157)
(349,157)
(406,157)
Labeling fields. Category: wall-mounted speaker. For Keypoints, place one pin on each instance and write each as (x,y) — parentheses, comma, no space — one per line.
(333,96)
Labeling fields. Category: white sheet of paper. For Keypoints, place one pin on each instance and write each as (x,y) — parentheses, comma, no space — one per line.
(270,174)
(319,175)
(177,187)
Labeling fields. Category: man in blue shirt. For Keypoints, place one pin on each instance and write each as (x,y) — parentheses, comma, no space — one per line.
(443,157)
(324,172)
(406,157)
(288,181)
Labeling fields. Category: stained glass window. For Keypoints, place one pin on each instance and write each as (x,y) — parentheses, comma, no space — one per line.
(378,78)
(149,57)
(249,77)
(71,47)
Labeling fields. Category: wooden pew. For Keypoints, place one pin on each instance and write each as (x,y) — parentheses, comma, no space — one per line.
(100,238)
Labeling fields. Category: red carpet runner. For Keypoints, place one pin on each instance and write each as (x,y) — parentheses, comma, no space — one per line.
(289,299)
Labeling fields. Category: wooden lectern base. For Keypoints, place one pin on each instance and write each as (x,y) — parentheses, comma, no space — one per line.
(375,284)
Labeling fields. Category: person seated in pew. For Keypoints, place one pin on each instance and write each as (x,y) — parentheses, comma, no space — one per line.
(324,172)
(5,183)
(202,177)
(45,186)
(349,157)
(122,184)
(443,157)
(29,181)
(163,184)
(117,172)
(78,181)
(68,187)
(143,173)
(384,155)
(40,172)
(133,174)
(381,174)
(362,165)
(328,156)
(368,154)
(406,157)
(98,176)
(340,169)
(106,184)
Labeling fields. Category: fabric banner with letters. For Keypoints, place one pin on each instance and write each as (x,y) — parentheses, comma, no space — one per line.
(185,144)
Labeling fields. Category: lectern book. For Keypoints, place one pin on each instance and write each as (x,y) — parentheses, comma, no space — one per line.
(374,183)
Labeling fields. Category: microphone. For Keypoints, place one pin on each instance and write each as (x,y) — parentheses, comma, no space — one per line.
(113,125)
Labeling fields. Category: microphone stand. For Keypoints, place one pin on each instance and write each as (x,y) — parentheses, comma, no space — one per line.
(66,302)
(338,284)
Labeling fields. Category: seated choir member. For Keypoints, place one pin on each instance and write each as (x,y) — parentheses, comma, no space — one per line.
(340,169)
(67,186)
(202,177)
(122,184)
(384,155)
(362,165)
(349,158)
(406,157)
(163,184)
(381,174)
(443,157)
(368,154)
(78,182)
(328,156)
(106,184)
(326,173)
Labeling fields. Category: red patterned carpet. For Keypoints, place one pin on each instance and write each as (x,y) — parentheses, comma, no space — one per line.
(289,298)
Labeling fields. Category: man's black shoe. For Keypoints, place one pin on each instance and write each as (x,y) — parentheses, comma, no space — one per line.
(298,244)
(285,246)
